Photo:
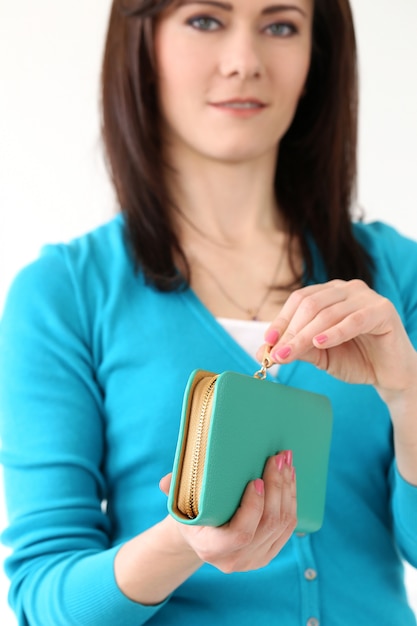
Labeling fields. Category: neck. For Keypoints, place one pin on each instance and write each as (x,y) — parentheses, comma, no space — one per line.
(227,202)
(229,227)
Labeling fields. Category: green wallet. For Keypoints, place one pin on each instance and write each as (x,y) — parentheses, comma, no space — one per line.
(230,424)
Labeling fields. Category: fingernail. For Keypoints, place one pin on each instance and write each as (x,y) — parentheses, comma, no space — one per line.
(282,353)
(279,460)
(259,486)
(320,339)
(288,457)
(271,336)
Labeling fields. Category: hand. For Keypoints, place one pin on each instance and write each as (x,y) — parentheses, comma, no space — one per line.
(260,527)
(349,330)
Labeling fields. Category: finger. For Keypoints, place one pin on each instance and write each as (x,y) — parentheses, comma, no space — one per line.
(353,300)
(288,499)
(371,320)
(295,344)
(301,307)
(363,312)
(165,483)
(292,519)
(228,546)
(245,521)
(277,507)
(280,324)
(304,305)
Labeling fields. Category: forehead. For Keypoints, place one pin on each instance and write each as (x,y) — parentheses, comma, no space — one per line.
(262,6)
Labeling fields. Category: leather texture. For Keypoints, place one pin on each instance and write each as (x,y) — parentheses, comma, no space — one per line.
(251,420)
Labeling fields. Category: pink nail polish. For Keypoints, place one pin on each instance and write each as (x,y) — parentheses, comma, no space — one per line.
(288,457)
(282,353)
(320,339)
(279,459)
(272,336)
(259,486)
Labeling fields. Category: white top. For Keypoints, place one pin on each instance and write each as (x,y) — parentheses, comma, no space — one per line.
(249,334)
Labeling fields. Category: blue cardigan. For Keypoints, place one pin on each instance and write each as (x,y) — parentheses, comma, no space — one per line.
(93,365)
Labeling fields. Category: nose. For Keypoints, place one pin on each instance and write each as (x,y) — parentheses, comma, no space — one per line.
(240,55)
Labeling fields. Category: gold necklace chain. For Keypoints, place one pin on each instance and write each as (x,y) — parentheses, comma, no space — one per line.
(253,313)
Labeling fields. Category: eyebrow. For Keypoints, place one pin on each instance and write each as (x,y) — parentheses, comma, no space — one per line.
(275,8)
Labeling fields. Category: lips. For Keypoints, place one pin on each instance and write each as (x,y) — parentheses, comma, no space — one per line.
(240,104)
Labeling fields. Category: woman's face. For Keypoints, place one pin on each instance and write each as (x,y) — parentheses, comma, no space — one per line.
(230,74)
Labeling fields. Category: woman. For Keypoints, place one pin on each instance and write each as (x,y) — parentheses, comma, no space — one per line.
(230,130)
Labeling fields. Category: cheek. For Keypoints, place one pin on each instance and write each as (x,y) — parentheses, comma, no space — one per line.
(175,88)
(180,71)
(294,77)
(169,82)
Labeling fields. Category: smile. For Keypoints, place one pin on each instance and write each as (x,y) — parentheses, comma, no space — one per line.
(240,105)
(242,109)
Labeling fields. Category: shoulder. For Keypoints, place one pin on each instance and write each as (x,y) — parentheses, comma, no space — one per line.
(93,248)
(382,240)
(67,277)
(98,251)
(394,256)
(392,252)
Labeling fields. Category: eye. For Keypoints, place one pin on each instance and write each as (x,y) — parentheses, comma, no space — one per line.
(281,29)
(204,22)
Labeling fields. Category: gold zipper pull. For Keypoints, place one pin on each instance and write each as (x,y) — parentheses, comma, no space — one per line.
(266,362)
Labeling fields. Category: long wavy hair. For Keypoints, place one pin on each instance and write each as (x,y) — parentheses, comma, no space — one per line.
(315,180)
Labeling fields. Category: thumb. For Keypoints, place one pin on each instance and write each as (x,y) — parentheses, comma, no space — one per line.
(165,483)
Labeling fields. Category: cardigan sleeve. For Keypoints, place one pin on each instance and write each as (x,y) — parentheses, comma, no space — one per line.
(404,505)
(399,260)
(52,452)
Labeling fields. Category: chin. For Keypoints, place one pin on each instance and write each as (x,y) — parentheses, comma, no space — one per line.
(235,151)
(241,155)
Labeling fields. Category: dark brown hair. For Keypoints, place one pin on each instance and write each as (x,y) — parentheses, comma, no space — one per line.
(316,172)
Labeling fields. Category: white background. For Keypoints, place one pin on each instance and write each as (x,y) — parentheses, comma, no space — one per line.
(52,179)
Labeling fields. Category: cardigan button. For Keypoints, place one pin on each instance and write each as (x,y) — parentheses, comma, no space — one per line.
(310,574)
(313,622)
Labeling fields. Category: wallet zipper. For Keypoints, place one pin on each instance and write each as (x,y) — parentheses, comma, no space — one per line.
(199,421)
